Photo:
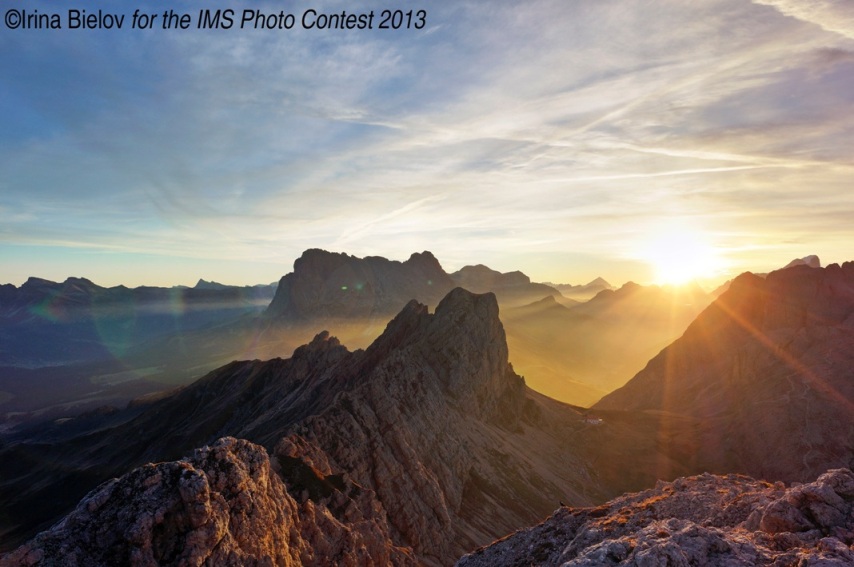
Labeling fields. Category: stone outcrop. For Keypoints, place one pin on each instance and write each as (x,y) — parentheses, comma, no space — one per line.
(705,520)
(332,285)
(223,505)
(767,370)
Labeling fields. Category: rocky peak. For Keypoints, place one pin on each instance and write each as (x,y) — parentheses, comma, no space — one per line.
(812,261)
(208,285)
(37,283)
(332,285)
(322,341)
(463,342)
(425,261)
(323,350)
(481,278)
(793,297)
(223,505)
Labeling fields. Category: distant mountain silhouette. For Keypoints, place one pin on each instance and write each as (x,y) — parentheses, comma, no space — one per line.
(511,288)
(582,292)
(812,261)
(79,345)
(580,353)
(328,285)
(768,370)
(333,285)
(45,323)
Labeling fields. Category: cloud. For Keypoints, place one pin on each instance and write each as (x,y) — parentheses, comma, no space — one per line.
(832,15)
(548,125)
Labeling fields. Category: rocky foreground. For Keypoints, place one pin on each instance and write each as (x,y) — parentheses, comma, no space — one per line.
(701,520)
(227,504)
(224,505)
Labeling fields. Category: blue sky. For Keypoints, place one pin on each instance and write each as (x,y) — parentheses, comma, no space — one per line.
(563,138)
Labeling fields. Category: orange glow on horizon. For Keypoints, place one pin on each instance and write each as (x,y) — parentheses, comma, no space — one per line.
(680,254)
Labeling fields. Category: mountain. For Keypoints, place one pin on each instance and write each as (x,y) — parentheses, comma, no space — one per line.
(71,347)
(812,261)
(511,288)
(45,323)
(702,520)
(582,292)
(768,370)
(430,421)
(578,354)
(333,285)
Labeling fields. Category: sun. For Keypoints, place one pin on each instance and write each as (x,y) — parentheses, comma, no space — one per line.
(680,254)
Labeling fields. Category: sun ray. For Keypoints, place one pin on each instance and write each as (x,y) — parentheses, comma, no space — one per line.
(679,254)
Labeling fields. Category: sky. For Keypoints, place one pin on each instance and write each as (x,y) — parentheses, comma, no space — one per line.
(568,139)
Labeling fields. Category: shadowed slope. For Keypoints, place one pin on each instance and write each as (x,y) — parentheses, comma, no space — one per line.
(769,369)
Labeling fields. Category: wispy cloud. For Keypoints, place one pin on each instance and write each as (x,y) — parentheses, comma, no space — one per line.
(503,128)
(832,15)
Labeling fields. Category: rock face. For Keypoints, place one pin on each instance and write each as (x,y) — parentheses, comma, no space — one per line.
(704,520)
(329,285)
(224,505)
(768,370)
(431,419)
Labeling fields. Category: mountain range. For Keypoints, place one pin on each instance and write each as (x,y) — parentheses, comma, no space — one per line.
(582,292)
(427,446)
(580,353)
(452,447)
(75,346)
(45,323)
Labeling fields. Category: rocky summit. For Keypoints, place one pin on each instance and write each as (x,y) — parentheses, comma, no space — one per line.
(704,520)
(332,285)
(223,505)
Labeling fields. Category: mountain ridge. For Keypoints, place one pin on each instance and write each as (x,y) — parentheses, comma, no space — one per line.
(431,417)
(785,343)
